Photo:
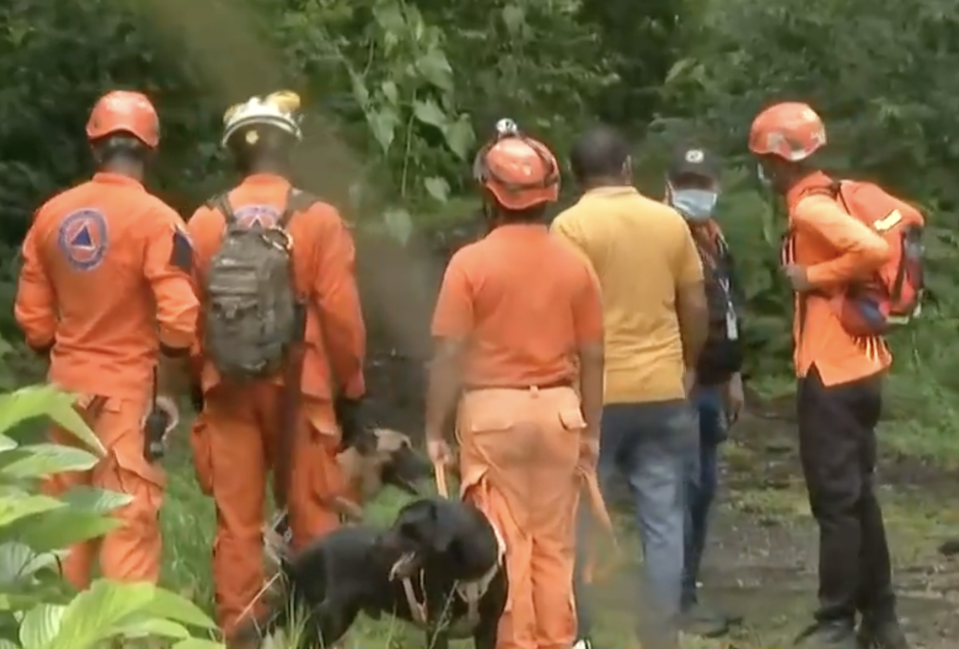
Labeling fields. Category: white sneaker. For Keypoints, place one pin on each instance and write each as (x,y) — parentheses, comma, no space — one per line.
(583,643)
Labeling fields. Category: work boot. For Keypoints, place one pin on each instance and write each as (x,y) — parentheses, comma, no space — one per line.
(880,633)
(828,635)
(705,622)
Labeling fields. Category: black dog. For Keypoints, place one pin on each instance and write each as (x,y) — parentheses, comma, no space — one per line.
(440,565)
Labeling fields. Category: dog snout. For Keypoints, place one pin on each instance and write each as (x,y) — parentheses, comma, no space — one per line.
(409,467)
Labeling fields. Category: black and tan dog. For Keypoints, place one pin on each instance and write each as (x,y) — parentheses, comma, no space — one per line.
(383,457)
(440,565)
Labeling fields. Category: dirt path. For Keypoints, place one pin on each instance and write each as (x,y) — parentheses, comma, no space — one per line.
(761,561)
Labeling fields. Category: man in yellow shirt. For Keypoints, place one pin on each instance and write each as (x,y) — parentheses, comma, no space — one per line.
(655,317)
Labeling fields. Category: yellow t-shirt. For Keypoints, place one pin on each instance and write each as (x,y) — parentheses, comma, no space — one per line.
(641,251)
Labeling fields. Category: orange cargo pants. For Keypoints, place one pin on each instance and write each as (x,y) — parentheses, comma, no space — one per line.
(518,460)
(132,552)
(235,443)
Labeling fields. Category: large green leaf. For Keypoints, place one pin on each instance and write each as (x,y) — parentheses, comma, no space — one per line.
(38,400)
(94,500)
(93,615)
(42,460)
(198,643)
(59,529)
(171,606)
(19,561)
(41,626)
(16,507)
(151,626)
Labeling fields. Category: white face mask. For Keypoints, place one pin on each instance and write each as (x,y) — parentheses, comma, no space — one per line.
(694,204)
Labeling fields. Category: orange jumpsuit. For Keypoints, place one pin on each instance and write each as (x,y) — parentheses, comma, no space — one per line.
(525,302)
(106,287)
(236,441)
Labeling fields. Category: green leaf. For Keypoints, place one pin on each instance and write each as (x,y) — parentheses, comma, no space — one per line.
(41,625)
(391,92)
(7,444)
(514,17)
(18,561)
(436,69)
(37,400)
(151,627)
(59,529)
(16,507)
(383,124)
(460,137)
(429,112)
(8,644)
(42,460)
(94,500)
(198,643)
(438,188)
(171,606)
(399,224)
(92,614)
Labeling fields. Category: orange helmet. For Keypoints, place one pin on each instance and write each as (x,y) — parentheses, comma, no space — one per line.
(791,130)
(518,171)
(122,111)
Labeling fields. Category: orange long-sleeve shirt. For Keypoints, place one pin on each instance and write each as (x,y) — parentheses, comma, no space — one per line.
(106,284)
(836,249)
(324,267)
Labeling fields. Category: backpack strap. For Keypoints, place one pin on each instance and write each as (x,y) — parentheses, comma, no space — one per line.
(221,203)
(296,201)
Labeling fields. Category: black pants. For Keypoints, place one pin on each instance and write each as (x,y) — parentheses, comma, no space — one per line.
(837,446)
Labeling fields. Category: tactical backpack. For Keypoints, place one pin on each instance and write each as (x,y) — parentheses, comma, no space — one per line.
(252,315)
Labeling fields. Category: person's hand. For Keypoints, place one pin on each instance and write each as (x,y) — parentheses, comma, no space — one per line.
(735,398)
(439,451)
(797,277)
(689,381)
(167,405)
(588,452)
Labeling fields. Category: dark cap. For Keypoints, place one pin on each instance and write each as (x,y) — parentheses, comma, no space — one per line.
(692,160)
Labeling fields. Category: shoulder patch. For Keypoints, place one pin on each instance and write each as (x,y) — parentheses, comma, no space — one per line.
(181,251)
(83,239)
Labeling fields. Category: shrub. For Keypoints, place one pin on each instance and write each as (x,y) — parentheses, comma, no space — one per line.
(38,609)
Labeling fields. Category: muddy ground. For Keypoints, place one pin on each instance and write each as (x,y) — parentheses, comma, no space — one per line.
(761,562)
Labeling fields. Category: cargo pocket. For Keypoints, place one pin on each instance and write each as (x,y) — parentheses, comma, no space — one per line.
(126,470)
(572,419)
(202,455)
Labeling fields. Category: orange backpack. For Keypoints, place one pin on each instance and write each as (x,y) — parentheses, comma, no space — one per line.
(893,295)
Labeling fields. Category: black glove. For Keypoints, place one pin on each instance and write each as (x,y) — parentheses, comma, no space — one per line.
(196,398)
(351,417)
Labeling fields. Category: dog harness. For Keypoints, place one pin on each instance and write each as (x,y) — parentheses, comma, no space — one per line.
(469,592)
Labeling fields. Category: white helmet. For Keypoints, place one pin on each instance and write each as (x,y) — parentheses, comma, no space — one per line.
(279,109)
(505,127)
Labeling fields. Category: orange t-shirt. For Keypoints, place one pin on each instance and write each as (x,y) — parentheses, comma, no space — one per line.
(324,268)
(106,283)
(836,249)
(524,301)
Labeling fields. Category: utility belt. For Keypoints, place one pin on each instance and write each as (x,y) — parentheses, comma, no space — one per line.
(549,385)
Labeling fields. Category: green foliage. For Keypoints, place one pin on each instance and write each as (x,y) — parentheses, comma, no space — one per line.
(38,610)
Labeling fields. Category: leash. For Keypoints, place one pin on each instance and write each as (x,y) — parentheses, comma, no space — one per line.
(439,474)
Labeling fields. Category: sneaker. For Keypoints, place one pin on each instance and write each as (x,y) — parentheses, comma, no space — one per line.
(583,643)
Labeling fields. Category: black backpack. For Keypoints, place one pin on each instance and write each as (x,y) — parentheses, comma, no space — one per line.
(723,354)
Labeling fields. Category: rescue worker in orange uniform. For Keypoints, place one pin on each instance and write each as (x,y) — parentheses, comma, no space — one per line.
(106,293)
(236,443)
(839,384)
(516,312)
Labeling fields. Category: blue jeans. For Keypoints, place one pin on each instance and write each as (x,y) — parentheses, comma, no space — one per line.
(649,444)
(702,481)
